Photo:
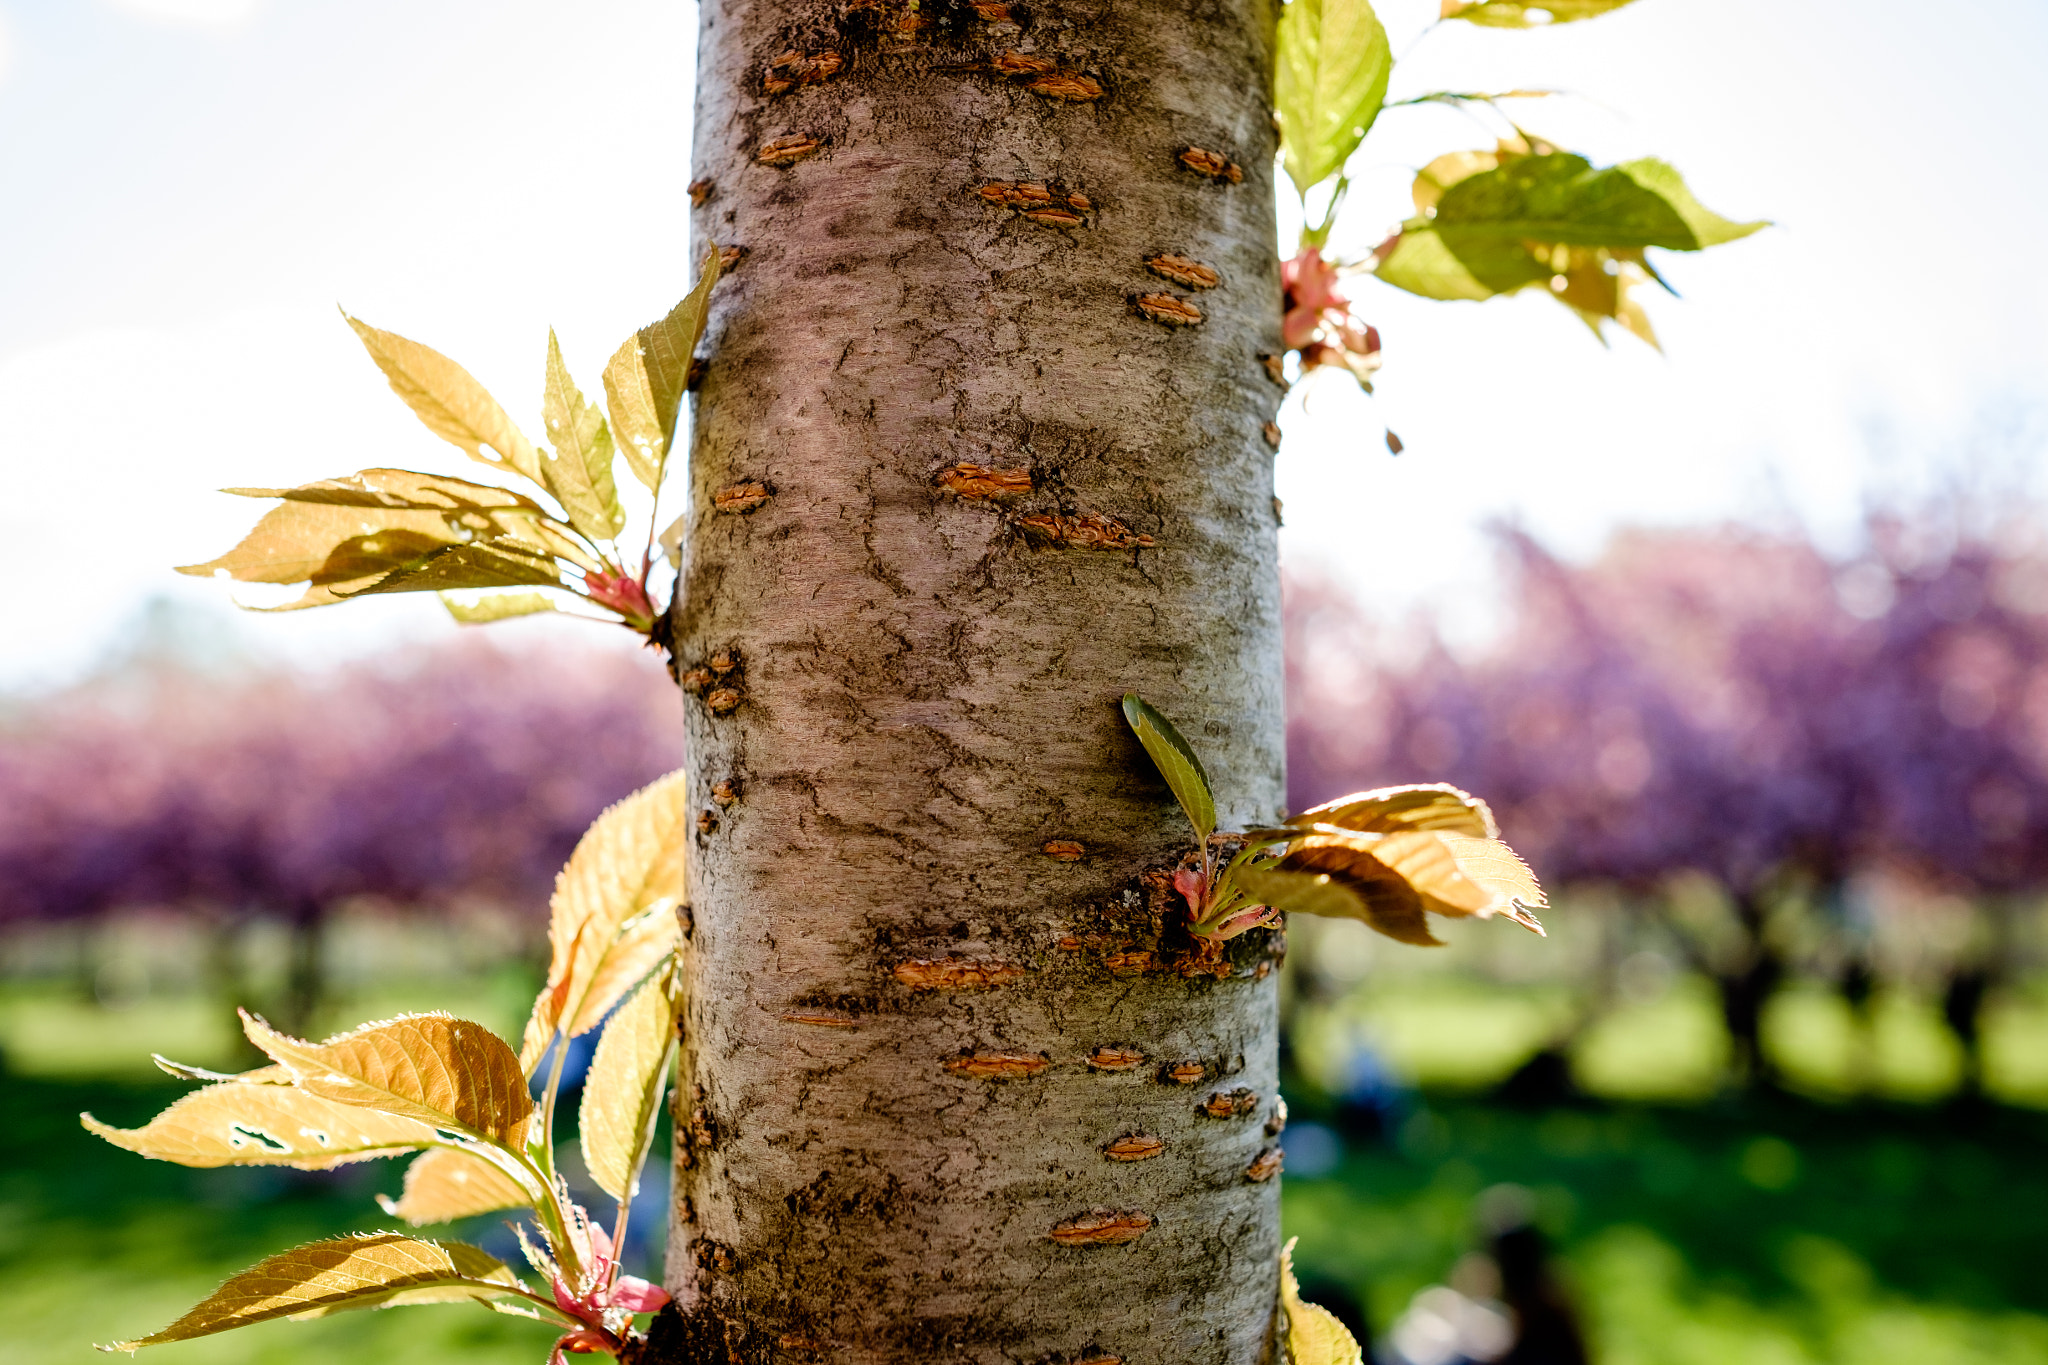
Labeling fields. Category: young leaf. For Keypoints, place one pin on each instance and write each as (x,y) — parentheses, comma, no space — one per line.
(1390,880)
(1176,761)
(579,473)
(622,1092)
(436,1068)
(447,1183)
(473,511)
(484,565)
(1312,881)
(1386,810)
(1330,79)
(1314,1335)
(369,1270)
(646,378)
(1526,13)
(612,918)
(334,550)
(449,400)
(497,606)
(262,1075)
(239,1123)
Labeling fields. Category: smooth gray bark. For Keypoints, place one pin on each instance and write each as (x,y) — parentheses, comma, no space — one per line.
(914,1035)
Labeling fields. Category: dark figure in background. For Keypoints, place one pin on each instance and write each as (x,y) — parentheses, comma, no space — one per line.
(1546,1325)
(1962,1005)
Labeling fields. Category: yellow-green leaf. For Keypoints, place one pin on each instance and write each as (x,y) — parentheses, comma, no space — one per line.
(441,1070)
(262,1075)
(497,606)
(472,511)
(622,1091)
(579,473)
(646,378)
(1329,82)
(369,1270)
(1176,761)
(334,550)
(1386,810)
(458,567)
(1389,880)
(1314,1335)
(1527,13)
(241,1123)
(449,400)
(449,1183)
(612,918)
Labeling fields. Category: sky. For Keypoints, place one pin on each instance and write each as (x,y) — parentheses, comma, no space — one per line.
(194,185)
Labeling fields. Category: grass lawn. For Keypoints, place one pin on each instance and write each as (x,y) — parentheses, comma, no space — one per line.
(1761,1231)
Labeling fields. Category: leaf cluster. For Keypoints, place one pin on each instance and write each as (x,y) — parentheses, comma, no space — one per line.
(458,1097)
(1488,222)
(396,530)
(1387,858)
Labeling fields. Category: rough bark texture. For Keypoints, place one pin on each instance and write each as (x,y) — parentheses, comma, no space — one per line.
(955,1085)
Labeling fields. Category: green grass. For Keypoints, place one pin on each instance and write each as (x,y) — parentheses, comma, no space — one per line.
(1763,1231)
(98,1245)
(1455,1032)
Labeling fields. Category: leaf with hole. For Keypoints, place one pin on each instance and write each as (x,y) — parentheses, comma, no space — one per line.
(443,1071)
(1314,1335)
(369,1270)
(242,1123)
(646,378)
(1329,81)
(449,1183)
(1175,758)
(613,915)
(449,401)
(622,1091)
(579,473)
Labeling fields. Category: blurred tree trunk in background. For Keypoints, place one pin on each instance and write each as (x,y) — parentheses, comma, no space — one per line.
(964,471)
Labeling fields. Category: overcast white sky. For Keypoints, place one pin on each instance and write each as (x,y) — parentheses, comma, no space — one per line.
(192,185)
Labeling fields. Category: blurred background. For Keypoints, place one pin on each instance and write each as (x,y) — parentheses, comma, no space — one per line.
(1747,643)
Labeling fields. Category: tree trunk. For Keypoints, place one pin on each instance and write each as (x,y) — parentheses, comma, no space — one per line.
(955,489)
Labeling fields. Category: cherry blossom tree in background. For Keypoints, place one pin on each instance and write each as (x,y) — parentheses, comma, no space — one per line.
(1732,702)
(467,774)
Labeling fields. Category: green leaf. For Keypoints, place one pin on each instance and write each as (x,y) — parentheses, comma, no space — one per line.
(622,1092)
(1176,761)
(1419,262)
(369,1270)
(1522,217)
(1560,198)
(449,400)
(466,566)
(579,473)
(1527,13)
(243,1123)
(1329,81)
(646,378)
(1314,1335)
(497,606)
